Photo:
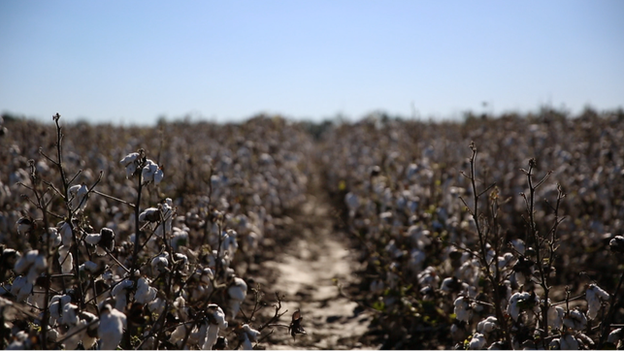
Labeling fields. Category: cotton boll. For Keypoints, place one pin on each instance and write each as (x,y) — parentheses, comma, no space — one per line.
(66,232)
(78,196)
(131,162)
(151,214)
(615,336)
(51,237)
(24,225)
(93,239)
(237,293)
(595,296)
(160,263)
(145,293)
(248,335)
(463,309)
(487,325)
(516,303)
(112,324)
(130,158)
(120,294)
(555,317)
(568,342)
(89,267)
(21,288)
(90,335)
(477,342)
(575,319)
(33,264)
(158,176)
(66,259)
(149,170)
(216,319)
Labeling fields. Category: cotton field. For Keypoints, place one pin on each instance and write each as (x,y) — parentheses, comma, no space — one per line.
(491,233)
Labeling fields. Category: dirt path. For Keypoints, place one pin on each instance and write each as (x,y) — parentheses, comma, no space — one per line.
(308,271)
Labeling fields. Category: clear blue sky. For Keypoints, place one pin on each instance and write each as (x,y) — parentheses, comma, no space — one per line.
(132,61)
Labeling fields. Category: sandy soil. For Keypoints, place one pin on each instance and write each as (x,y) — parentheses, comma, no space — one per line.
(308,273)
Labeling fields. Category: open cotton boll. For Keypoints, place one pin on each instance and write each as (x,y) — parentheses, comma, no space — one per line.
(21,288)
(487,325)
(237,293)
(555,317)
(24,225)
(145,293)
(463,309)
(216,317)
(112,324)
(595,296)
(32,264)
(248,335)
(149,170)
(89,335)
(568,342)
(575,319)
(120,294)
(66,232)
(130,158)
(131,162)
(78,196)
(477,342)
(151,214)
(516,304)
(160,263)
(66,259)
(52,237)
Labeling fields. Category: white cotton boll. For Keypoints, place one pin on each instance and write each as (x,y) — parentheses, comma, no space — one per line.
(77,332)
(160,262)
(120,295)
(462,310)
(32,264)
(248,335)
(66,259)
(130,158)
(157,305)
(151,214)
(158,176)
(237,293)
(507,260)
(89,266)
(595,296)
(24,225)
(89,336)
(568,342)
(78,196)
(66,233)
(93,239)
(575,319)
(428,277)
(513,309)
(555,317)
(518,245)
(21,288)
(216,317)
(110,331)
(179,238)
(70,314)
(148,171)
(487,325)
(130,170)
(178,334)
(145,293)
(52,237)
(477,342)
(615,336)
(20,342)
